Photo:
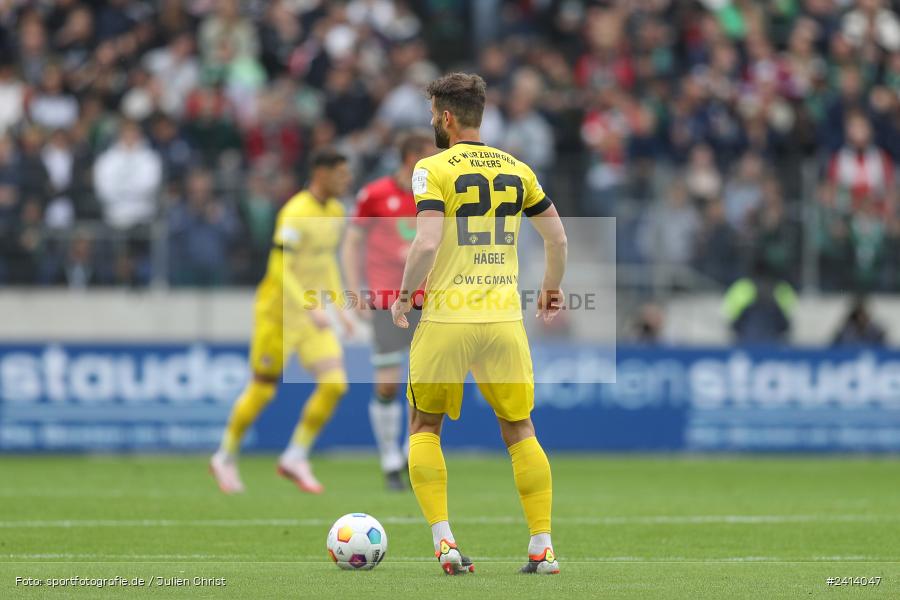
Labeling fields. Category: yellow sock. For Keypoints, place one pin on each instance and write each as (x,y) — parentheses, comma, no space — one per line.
(428,475)
(254,398)
(319,407)
(531,470)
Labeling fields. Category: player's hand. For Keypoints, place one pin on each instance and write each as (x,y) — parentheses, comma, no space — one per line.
(319,318)
(398,312)
(550,302)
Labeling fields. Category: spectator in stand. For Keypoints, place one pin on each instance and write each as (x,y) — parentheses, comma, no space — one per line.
(52,107)
(629,92)
(32,175)
(226,29)
(34,53)
(127,179)
(604,132)
(9,213)
(775,238)
(176,72)
(201,229)
(12,97)
(172,147)
(77,268)
(716,253)
(280,34)
(405,107)
(274,133)
(859,171)
(23,245)
(668,234)
(527,134)
(758,308)
(347,101)
(872,22)
(703,179)
(9,162)
(58,158)
(259,207)
(74,39)
(858,328)
(857,195)
(849,99)
(743,191)
(211,127)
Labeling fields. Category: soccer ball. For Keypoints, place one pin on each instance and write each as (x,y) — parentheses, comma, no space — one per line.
(357,541)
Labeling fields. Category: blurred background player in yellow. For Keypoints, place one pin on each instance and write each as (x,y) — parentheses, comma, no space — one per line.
(472,315)
(374,252)
(302,277)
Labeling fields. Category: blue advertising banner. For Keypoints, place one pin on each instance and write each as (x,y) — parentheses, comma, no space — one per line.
(151,397)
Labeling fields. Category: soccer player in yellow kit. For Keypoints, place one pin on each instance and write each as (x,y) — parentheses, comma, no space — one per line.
(302,275)
(469,202)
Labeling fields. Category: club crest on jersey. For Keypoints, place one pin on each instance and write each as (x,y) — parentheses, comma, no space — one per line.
(473,239)
(509,238)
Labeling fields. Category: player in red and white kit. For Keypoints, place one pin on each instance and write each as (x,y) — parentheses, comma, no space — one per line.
(382,227)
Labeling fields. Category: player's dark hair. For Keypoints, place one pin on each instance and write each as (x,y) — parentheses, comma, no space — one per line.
(460,93)
(326,157)
(413,142)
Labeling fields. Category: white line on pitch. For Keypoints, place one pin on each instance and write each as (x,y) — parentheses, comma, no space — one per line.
(611,520)
(137,558)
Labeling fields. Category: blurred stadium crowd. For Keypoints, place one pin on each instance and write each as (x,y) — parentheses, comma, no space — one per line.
(144,141)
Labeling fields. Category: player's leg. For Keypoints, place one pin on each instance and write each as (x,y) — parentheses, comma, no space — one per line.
(266,362)
(504,375)
(534,482)
(385,410)
(320,353)
(386,417)
(428,476)
(437,370)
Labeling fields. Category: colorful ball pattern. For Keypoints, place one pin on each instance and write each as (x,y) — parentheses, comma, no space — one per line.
(357,541)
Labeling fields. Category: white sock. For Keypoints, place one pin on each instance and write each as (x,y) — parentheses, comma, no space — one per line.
(441,531)
(224,455)
(387,423)
(294,453)
(539,542)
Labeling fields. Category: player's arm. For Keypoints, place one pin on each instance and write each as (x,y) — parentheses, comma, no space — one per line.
(426,188)
(550,227)
(419,261)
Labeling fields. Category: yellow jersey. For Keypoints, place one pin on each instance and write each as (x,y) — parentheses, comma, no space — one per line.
(482,192)
(304,247)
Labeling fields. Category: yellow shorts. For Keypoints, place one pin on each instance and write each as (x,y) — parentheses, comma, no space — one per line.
(497,354)
(273,342)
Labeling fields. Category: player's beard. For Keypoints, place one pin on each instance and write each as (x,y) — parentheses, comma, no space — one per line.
(441,137)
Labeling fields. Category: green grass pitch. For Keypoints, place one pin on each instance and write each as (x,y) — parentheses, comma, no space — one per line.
(624,527)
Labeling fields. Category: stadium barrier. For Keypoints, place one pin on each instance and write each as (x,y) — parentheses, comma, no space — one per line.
(176,397)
